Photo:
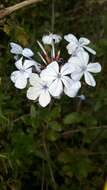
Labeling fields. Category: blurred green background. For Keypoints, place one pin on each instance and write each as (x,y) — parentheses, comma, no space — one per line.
(64,146)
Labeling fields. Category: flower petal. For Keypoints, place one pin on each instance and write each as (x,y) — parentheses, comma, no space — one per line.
(84,57)
(14,76)
(44,98)
(28,63)
(90,50)
(66,81)
(75,62)
(84,41)
(71,47)
(48,39)
(18,64)
(76,75)
(67,69)
(35,79)
(70,38)
(51,72)
(28,73)
(56,88)
(16,49)
(33,93)
(73,89)
(21,82)
(89,79)
(27,52)
(94,67)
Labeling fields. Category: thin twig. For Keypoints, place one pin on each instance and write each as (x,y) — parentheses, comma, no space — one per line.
(48,161)
(67,133)
(43,176)
(7,11)
(53,16)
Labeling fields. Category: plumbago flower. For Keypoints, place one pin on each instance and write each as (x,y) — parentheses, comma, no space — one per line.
(49,39)
(76,45)
(83,67)
(39,90)
(17,50)
(53,76)
(19,77)
(60,80)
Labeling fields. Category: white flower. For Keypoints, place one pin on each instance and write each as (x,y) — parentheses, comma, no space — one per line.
(18,50)
(49,39)
(59,79)
(19,77)
(82,67)
(76,45)
(39,90)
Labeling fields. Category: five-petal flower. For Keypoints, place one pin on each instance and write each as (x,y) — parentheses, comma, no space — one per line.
(39,90)
(76,45)
(81,67)
(19,77)
(59,78)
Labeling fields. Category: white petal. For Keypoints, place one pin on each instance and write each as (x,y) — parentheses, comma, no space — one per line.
(56,38)
(16,49)
(51,72)
(77,75)
(84,41)
(75,62)
(28,73)
(67,69)
(44,98)
(48,75)
(84,57)
(48,39)
(28,63)
(54,66)
(73,89)
(94,67)
(34,79)
(70,38)
(21,82)
(18,64)
(33,93)
(56,88)
(15,75)
(90,50)
(66,81)
(71,47)
(27,53)
(89,79)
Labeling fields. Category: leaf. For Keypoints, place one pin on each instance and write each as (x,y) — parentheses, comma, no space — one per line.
(72,118)
(76,118)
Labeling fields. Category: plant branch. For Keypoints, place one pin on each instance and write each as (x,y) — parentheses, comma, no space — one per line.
(48,160)
(72,131)
(7,11)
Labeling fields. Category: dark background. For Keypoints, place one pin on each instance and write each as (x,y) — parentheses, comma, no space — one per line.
(63,146)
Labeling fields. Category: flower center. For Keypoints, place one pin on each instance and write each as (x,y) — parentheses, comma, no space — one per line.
(44,87)
(84,68)
(22,70)
(59,76)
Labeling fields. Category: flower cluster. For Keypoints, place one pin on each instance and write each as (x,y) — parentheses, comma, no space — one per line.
(53,76)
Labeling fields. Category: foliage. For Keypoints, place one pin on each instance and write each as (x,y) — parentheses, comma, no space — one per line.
(64,145)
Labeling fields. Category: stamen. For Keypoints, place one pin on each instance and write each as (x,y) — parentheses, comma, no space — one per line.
(58,55)
(42,48)
(42,58)
(53,49)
